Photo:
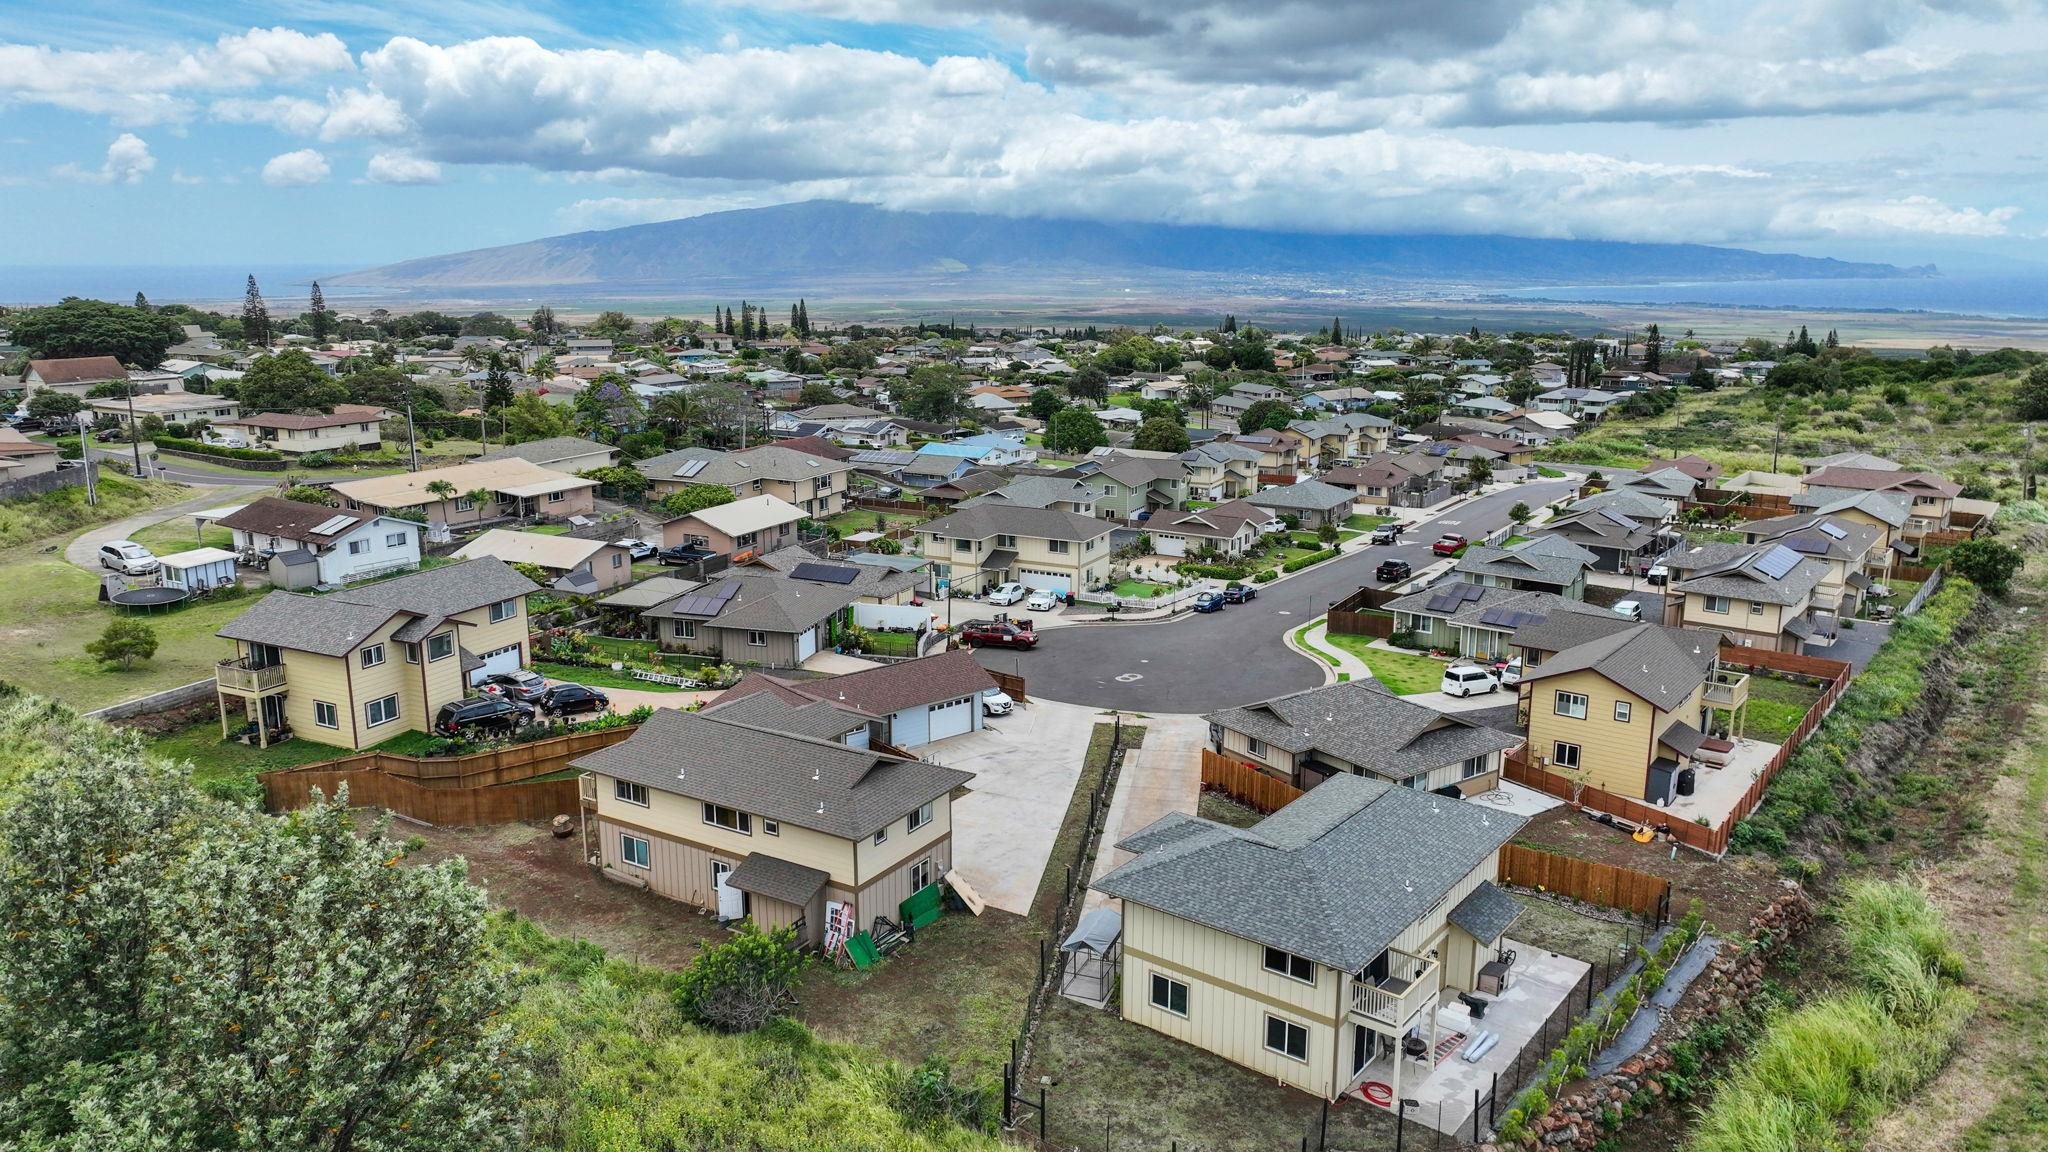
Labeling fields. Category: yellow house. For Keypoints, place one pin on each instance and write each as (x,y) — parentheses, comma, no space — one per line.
(356,667)
(767,823)
(509,487)
(1221,470)
(1622,712)
(980,547)
(1353,917)
(1886,512)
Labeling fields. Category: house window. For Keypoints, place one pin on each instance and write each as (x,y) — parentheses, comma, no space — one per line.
(441,646)
(882,835)
(554,497)
(1287,1038)
(1755,608)
(962,545)
(630,792)
(921,816)
(618,559)
(504,610)
(381,711)
(394,540)
(1572,704)
(326,715)
(686,629)
(1476,766)
(465,504)
(1058,547)
(1718,605)
(1622,709)
(771,827)
(731,819)
(634,850)
(921,875)
(757,639)
(358,547)
(412,653)
(1255,746)
(1169,994)
(1291,966)
(373,655)
(1564,755)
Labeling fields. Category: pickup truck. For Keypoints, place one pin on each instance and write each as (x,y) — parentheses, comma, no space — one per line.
(999,633)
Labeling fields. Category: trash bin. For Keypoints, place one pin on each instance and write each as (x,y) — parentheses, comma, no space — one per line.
(1685,781)
(1070,599)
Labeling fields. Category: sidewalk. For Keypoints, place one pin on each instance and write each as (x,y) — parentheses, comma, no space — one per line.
(1310,644)
(1162,775)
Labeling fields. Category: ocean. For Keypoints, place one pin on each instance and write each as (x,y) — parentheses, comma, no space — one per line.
(193,283)
(1995,296)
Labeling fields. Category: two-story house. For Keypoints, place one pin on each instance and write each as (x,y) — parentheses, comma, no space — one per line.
(1128,483)
(358,666)
(1279,455)
(358,426)
(764,824)
(1619,542)
(1539,564)
(342,546)
(1761,595)
(1357,727)
(812,483)
(776,611)
(1310,945)
(1854,552)
(1057,492)
(1327,442)
(753,524)
(978,548)
(1393,480)
(1221,470)
(1931,497)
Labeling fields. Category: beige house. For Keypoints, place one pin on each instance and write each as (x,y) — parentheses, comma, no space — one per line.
(1931,498)
(296,433)
(1231,528)
(1759,595)
(978,548)
(1339,438)
(1376,905)
(21,457)
(572,454)
(356,667)
(755,821)
(72,375)
(170,407)
(583,566)
(776,611)
(515,488)
(753,525)
(1279,453)
(1358,728)
(812,483)
(1221,470)
(1855,553)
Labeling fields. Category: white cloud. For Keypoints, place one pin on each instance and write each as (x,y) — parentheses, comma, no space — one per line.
(295,169)
(187,179)
(399,168)
(134,86)
(128,160)
(1907,216)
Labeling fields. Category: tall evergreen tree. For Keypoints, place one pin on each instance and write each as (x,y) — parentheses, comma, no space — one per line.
(796,322)
(803,316)
(544,323)
(1229,324)
(1653,349)
(746,320)
(141,303)
(255,316)
(321,322)
(1834,339)
(1336,330)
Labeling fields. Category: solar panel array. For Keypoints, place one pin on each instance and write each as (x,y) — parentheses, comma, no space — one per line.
(1834,530)
(691,468)
(1510,617)
(708,603)
(824,573)
(1808,545)
(1620,519)
(1453,598)
(333,524)
(1777,562)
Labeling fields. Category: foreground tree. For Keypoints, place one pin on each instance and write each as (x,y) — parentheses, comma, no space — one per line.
(529,417)
(1075,431)
(1160,435)
(255,315)
(1987,564)
(695,498)
(288,381)
(1262,415)
(2031,397)
(75,326)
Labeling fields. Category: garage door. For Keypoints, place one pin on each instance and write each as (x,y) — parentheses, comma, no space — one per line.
(806,644)
(1057,583)
(952,717)
(495,661)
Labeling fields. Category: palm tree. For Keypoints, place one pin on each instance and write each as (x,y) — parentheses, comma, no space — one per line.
(1199,396)
(441,490)
(674,413)
(481,497)
(474,356)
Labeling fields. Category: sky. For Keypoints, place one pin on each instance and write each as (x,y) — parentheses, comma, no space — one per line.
(317,132)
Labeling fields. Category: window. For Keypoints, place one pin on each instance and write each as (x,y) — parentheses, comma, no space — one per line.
(771,827)
(1291,966)
(1169,994)
(373,655)
(1756,608)
(746,539)
(1563,755)
(504,610)
(1287,1038)
(630,792)
(553,497)
(634,850)
(1255,746)
(412,653)
(394,540)
(882,835)
(441,646)
(1718,605)
(465,504)
(686,629)
(922,816)
(921,875)
(963,545)
(381,711)
(1059,547)
(1572,704)
(358,547)
(1476,766)
(326,715)
(618,559)
(1622,711)
(757,639)
(729,818)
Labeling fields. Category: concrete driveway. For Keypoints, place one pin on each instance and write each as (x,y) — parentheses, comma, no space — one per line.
(1025,766)
(85,550)
(1161,776)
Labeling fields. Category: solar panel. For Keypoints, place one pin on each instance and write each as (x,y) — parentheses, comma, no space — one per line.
(333,524)
(824,573)
(691,468)
(1777,562)
(1444,602)
(1495,616)
(1834,530)
(1807,545)
(708,603)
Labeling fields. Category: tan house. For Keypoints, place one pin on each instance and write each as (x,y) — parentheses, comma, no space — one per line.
(356,667)
(1221,470)
(572,454)
(1358,728)
(815,484)
(1336,439)
(21,457)
(1760,595)
(514,487)
(1931,497)
(1855,553)
(978,548)
(581,566)
(776,611)
(1886,512)
(1375,906)
(170,407)
(1231,528)
(1279,454)
(296,433)
(1391,479)
(755,821)
(753,525)
(73,375)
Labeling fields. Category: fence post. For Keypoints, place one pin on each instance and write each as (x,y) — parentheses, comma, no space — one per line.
(1475,1115)
(1009,1091)
(1492,1099)
(1041,1114)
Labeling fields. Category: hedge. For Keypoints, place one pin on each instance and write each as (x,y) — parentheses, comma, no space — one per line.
(1266,577)
(1300,562)
(1212,571)
(202,448)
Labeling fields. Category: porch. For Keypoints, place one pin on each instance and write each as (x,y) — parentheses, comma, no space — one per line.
(258,685)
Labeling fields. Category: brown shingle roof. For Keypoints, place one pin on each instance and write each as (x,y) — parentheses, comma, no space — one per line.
(342,414)
(78,370)
(292,519)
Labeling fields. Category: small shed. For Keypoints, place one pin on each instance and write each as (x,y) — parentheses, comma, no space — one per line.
(198,569)
(296,570)
(1089,956)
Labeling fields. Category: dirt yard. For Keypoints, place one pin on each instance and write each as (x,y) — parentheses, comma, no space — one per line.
(1730,890)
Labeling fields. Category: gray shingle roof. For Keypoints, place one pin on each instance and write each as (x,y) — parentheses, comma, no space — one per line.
(304,623)
(768,462)
(986,520)
(816,784)
(1544,559)
(1661,665)
(817,720)
(1308,495)
(1486,912)
(1890,507)
(1803,532)
(1336,876)
(777,879)
(1359,722)
(1035,492)
(1741,576)
(335,623)
(550,450)
(1496,597)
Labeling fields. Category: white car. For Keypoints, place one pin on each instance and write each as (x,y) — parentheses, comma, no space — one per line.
(1511,673)
(128,558)
(1466,679)
(1009,593)
(226,440)
(996,702)
(1042,601)
(1629,609)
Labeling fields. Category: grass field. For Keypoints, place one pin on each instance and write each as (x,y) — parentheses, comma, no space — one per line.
(1140,589)
(224,765)
(1364,523)
(1776,707)
(1403,673)
(862,520)
(177,535)
(64,513)
(388,462)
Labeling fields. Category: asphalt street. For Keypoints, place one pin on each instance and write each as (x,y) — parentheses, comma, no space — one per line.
(1199,663)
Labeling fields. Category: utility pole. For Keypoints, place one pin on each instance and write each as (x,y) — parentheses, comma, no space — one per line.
(134,431)
(92,494)
(412,444)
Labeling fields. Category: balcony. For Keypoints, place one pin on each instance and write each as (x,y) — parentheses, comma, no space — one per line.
(238,676)
(1412,983)
(1727,689)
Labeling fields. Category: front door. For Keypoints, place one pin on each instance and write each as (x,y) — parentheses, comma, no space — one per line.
(1361,1047)
(732,903)
(273,712)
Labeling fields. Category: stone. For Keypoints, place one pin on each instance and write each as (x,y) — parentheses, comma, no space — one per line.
(1566,1135)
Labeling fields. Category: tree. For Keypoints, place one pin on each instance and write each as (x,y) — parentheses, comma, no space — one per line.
(934,393)
(1044,404)
(803,318)
(610,325)
(2031,396)
(1519,514)
(141,302)
(1653,349)
(1088,383)
(626,482)
(309,494)
(55,407)
(497,384)
(319,321)
(1265,414)
(743,981)
(695,498)
(1336,330)
(543,323)
(1521,388)
(288,381)
(1326,532)
(815,393)
(255,316)
(442,490)
(1987,564)
(1229,324)
(1479,471)
(124,641)
(1580,368)
(1074,431)
(1157,435)
(78,327)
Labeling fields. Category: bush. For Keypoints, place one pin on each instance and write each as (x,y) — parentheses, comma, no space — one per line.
(742,982)
(317,459)
(124,641)
(201,448)
(1300,562)
(1266,577)
(929,1097)
(1213,571)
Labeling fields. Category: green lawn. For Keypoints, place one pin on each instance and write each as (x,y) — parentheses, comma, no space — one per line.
(1198,505)
(603,677)
(862,520)
(892,643)
(547,529)
(1403,673)
(1364,523)
(64,513)
(1140,589)
(621,648)
(177,535)
(227,766)
(1776,707)
(1511,541)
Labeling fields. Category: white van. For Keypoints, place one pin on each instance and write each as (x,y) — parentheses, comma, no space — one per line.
(1629,609)
(1466,679)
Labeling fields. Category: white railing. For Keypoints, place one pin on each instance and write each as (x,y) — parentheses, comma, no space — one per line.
(1425,981)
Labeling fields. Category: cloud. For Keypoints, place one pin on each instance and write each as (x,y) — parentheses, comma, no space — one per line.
(1907,216)
(128,160)
(344,114)
(398,168)
(134,86)
(295,169)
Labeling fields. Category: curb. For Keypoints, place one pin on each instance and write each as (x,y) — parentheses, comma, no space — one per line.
(1287,638)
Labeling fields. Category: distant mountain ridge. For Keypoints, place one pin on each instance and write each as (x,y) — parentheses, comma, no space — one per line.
(823,240)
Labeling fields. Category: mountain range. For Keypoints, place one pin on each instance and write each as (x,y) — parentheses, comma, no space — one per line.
(822,242)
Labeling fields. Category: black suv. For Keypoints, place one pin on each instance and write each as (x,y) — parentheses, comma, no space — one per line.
(1239,593)
(482,712)
(1390,571)
(570,698)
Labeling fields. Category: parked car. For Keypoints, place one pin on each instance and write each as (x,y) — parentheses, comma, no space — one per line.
(1657,576)
(1385,534)
(487,712)
(638,549)
(567,699)
(1209,602)
(226,440)
(1000,633)
(1392,571)
(1042,601)
(1239,593)
(996,702)
(1466,679)
(128,558)
(1007,594)
(524,684)
(1629,609)
(1510,673)
(1448,544)
(683,554)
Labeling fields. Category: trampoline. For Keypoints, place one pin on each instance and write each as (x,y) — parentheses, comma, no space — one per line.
(143,599)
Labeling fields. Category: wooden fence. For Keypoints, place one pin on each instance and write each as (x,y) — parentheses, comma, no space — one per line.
(1246,784)
(492,787)
(876,504)
(1011,684)
(1588,880)
(1516,766)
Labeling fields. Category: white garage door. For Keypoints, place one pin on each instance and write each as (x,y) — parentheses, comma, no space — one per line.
(952,717)
(498,660)
(1057,583)
(1170,545)
(806,644)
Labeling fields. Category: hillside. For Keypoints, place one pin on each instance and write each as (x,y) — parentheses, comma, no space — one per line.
(826,240)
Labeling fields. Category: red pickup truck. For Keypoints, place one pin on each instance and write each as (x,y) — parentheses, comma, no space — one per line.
(1000,633)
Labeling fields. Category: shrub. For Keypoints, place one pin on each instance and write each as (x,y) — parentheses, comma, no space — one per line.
(317,459)
(742,982)
(124,641)
(1266,577)
(1300,562)
(929,1097)
(201,448)
(1212,571)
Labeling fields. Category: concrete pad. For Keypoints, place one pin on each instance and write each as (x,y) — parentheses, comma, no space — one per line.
(1162,775)
(1476,702)
(1716,791)
(837,663)
(1509,796)
(1025,767)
